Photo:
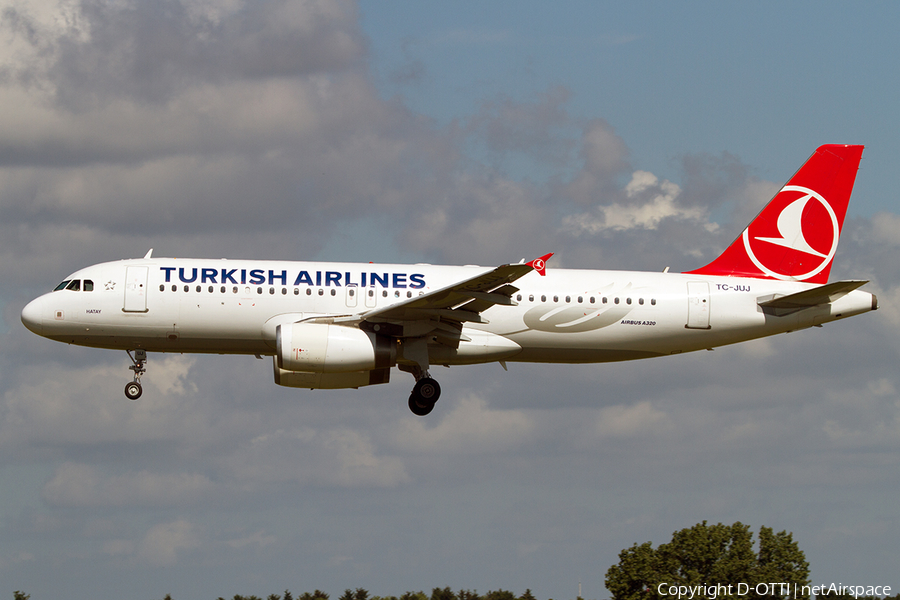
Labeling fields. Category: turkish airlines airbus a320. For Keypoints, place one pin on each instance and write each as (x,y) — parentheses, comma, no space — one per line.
(346,325)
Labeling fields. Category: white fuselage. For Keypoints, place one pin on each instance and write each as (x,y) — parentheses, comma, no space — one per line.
(567,316)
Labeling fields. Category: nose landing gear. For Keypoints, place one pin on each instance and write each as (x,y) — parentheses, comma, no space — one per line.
(134,390)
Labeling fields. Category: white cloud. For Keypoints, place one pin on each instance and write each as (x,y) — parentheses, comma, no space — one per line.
(164,542)
(84,405)
(258,539)
(333,457)
(469,427)
(83,485)
(641,419)
(652,202)
(886,229)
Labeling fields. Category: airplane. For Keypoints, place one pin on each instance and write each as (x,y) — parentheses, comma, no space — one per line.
(347,325)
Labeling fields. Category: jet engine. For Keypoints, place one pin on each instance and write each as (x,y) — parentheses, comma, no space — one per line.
(324,355)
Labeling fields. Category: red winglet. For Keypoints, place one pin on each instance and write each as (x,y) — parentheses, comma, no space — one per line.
(540,264)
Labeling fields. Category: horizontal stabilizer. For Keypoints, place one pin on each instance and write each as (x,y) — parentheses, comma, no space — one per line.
(823,294)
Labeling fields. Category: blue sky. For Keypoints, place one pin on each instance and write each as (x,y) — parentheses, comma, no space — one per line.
(457,133)
(764,81)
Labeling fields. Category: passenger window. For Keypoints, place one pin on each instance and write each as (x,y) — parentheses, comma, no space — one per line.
(652,301)
(321,292)
(333,291)
(74,285)
(259,290)
(162,287)
(88,285)
(519,298)
(641,301)
(174,288)
(296,291)
(284,291)
(198,289)
(187,289)
(309,291)
(531,297)
(580,299)
(592,299)
(568,299)
(543,298)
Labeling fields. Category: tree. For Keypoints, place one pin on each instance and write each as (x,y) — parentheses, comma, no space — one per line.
(718,557)
(442,594)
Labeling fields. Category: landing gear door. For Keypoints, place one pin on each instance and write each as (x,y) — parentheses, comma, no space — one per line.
(698,305)
(136,289)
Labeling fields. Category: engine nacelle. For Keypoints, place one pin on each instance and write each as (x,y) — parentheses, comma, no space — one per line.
(330,381)
(328,348)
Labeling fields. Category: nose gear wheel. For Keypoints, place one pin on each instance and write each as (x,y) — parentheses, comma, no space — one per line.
(133,390)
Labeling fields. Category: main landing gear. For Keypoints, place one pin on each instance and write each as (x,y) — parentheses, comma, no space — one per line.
(426,391)
(424,394)
(134,390)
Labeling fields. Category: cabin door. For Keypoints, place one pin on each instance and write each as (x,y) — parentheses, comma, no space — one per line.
(698,305)
(136,289)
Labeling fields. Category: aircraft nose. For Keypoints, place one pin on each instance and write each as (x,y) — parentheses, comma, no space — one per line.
(33,316)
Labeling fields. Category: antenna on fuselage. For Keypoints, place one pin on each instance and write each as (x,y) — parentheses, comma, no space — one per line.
(149,252)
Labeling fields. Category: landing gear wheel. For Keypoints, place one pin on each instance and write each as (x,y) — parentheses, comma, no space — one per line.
(133,390)
(420,410)
(425,393)
(427,390)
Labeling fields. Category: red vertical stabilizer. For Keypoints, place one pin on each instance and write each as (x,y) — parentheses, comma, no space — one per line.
(795,237)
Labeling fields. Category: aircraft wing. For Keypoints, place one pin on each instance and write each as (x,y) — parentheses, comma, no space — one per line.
(822,294)
(458,303)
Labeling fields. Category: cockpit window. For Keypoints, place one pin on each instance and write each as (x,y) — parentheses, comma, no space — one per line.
(75,285)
